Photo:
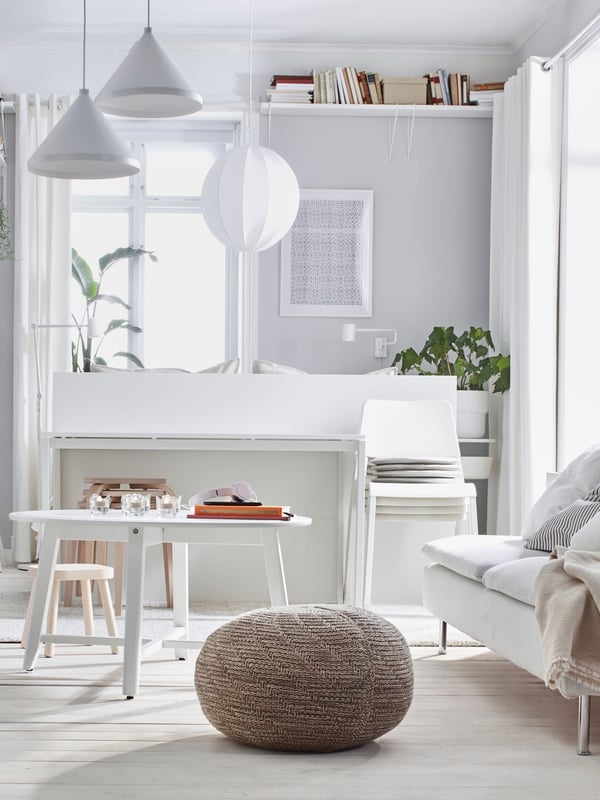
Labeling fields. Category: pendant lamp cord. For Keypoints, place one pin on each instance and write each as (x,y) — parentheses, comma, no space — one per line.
(84,35)
(148,14)
(251,63)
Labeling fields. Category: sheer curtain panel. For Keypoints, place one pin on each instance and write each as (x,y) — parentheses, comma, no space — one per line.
(41,295)
(523,286)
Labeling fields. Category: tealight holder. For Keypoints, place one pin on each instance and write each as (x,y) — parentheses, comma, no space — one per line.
(99,504)
(167,505)
(135,504)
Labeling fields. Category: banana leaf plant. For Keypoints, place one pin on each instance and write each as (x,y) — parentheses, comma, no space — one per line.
(84,349)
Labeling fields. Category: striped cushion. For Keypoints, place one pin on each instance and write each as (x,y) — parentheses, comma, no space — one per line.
(559,529)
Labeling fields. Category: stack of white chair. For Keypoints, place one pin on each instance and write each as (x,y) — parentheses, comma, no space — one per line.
(414,471)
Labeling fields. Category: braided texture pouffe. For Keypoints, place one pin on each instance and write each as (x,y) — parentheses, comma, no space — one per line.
(312,678)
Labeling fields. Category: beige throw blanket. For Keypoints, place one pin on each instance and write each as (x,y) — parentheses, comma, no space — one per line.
(567,609)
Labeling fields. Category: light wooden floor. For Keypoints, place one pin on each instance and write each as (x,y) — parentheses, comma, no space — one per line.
(478,729)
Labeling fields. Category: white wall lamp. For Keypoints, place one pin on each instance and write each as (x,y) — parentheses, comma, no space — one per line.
(82,145)
(349,331)
(148,84)
(250,196)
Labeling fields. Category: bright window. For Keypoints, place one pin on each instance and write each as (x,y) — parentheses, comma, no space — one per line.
(185,302)
(579,382)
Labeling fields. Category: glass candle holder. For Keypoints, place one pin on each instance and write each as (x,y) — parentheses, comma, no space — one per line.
(99,504)
(134,504)
(167,505)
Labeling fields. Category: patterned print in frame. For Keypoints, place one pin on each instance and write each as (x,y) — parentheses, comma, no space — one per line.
(326,258)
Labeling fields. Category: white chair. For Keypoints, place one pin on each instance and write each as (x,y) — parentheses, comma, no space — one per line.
(414,471)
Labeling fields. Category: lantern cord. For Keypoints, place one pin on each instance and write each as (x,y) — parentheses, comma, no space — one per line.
(269,127)
(251,59)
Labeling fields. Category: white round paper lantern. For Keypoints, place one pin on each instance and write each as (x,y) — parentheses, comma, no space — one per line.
(250,198)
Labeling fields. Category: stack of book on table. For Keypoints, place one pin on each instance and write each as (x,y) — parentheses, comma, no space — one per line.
(414,470)
(233,510)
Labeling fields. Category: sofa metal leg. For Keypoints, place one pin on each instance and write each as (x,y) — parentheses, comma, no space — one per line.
(443,637)
(583,725)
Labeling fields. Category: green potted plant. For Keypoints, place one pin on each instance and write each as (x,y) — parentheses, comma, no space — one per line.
(84,350)
(471,357)
(6,250)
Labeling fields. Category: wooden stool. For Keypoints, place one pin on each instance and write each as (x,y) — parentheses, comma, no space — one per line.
(85,574)
(96,552)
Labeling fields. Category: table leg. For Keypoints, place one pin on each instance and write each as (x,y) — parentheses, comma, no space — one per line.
(181,592)
(274,565)
(132,646)
(48,553)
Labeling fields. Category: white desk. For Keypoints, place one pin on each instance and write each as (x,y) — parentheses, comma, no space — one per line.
(348,447)
(139,533)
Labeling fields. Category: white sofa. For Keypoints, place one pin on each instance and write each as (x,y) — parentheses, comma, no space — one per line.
(484,585)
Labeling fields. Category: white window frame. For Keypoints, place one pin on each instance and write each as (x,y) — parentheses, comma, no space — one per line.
(225,128)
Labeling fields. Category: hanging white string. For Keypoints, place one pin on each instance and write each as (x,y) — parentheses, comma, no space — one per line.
(269,127)
(410,130)
(84,37)
(392,125)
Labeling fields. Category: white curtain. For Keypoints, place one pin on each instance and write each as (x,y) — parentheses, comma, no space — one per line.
(41,295)
(523,287)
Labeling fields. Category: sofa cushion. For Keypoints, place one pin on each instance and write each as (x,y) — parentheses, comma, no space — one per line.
(574,482)
(472,556)
(558,530)
(588,537)
(515,578)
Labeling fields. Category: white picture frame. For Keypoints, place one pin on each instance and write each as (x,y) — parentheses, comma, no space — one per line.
(327,256)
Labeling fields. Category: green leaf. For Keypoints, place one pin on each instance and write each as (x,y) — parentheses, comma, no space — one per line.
(109,298)
(107,260)
(130,357)
(122,324)
(82,273)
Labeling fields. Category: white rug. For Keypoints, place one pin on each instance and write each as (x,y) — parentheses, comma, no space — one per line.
(417,625)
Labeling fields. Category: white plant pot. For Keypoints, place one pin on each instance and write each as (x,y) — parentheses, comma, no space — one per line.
(471,413)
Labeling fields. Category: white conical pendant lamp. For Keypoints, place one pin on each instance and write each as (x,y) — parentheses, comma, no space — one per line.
(82,145)
(148,84)
(250,196)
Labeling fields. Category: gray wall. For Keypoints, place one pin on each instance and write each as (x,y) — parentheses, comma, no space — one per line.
(430,232)
(6,359)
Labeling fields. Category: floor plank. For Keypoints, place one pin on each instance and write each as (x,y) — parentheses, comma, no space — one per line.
(478,729)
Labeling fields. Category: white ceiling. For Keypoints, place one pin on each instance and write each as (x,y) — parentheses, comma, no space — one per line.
(484,25)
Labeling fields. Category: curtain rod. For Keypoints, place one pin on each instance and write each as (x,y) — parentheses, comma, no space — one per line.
(583,37)
(8,103)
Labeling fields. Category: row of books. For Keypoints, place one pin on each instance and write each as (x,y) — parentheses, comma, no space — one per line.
(342,85)
(448,88)
(347,85)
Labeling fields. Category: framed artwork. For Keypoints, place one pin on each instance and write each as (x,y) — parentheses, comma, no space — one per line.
(327,256)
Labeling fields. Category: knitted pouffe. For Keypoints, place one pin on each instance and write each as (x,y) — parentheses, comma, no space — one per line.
(313,678)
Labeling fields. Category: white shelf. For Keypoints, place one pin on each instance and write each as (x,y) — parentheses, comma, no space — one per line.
(383,110)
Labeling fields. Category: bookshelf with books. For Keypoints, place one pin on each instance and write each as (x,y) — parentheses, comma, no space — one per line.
(351,88)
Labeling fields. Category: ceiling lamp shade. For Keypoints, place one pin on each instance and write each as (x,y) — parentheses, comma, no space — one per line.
(82,145)
(148,84)
(250,198)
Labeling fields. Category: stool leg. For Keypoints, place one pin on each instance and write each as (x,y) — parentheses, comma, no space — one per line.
(70,558)
(27,616)
(52,617)
(109,614)
(88,610)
